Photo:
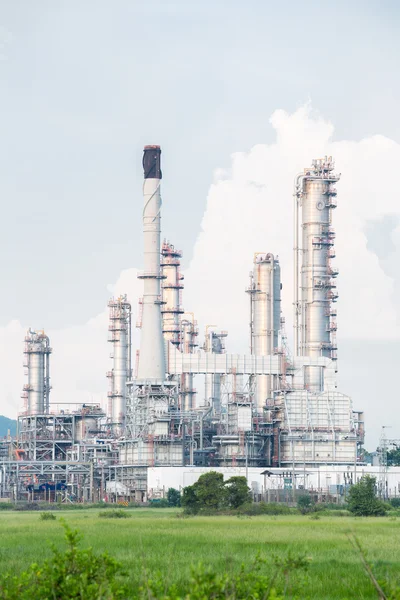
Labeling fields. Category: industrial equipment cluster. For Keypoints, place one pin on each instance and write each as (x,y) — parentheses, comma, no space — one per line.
(271,411)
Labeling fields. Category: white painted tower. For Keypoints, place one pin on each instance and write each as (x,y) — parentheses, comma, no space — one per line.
(36,393)
(315,323)
(265,320)
(120,337)
(151,367)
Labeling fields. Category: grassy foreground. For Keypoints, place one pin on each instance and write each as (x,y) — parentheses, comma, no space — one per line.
(156,540)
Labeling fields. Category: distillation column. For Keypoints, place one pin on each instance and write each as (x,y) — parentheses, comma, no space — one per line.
(151,367)
(189,335)
(171,293)
(265,306)
(120,337)
(36,392)
(314,317)
(214,342)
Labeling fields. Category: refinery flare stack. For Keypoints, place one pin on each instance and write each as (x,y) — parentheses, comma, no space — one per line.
(190,402)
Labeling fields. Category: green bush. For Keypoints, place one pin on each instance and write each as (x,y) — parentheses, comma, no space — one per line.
(6,506)
(76,574)
(114,514)
(264,508)
(69,575)
(363,501)
(28,506)
(47,516)
(258,580)
(334,513)
(173,497)
(395,502)
(305,504)
(159,503)
(329,506)
(211,493)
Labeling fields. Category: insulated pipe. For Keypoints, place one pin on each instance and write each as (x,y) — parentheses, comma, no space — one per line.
(152,352)
(297,192)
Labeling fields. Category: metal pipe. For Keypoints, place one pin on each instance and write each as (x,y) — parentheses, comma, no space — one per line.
(296,196)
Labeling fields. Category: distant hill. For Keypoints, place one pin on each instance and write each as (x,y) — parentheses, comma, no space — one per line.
(7,424)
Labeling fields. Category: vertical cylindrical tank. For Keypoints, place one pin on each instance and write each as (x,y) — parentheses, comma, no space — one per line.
(189,335)
(316,274)
(171,293)
(214,342)
(120,337)
(37,390)
(265,298)
(151,365)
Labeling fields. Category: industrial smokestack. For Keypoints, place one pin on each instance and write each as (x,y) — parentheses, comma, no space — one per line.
(152,354)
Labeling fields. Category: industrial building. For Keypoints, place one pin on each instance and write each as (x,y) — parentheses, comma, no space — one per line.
(188,402)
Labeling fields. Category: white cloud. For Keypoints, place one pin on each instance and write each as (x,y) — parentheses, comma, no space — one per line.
(249,209)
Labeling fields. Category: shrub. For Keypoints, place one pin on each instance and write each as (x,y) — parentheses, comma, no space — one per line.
(117,513)
(253,581)
(28,506)
(334,513)
(211,493)
(173,497)
(159,503)
(238,492)
(395,502)
(362,499)
(6,506)
(304,504)
(263,508)
(47,516)
(69,575)
(329,506)
(208,493)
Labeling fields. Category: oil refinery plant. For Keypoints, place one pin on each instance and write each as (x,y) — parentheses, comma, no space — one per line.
(271,408)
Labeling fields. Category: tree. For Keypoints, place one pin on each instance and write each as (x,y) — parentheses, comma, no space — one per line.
(189,499)
(304,504)
(238,492)
(173,497)
(362,499)
(208,492)
(393,457)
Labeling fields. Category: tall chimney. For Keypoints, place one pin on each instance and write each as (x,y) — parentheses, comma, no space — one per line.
(152,353)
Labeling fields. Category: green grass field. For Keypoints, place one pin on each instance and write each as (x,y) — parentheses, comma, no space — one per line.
(156,540)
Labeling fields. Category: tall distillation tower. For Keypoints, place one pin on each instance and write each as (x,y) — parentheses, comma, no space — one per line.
(265,319)
(188,344)
(314,284)
(171,293)
(36,393)
(120,337)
